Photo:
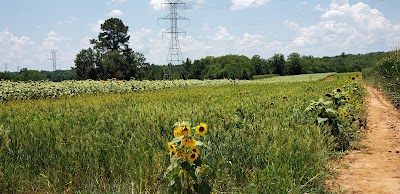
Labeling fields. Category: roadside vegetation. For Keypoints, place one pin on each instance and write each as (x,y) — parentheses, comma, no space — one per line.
(261,137)
(386,76)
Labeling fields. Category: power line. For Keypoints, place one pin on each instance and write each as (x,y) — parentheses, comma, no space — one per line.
(174,52)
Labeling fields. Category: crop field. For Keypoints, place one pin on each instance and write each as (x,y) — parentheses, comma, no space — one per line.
(111,137)
(52,90)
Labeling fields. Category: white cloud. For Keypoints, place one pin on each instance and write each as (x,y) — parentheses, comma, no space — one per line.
(115,13)
(50,41)
(190,4)
(97,26)
(344,27)
(319,8)
(243,4)
(15,50)
(223,35)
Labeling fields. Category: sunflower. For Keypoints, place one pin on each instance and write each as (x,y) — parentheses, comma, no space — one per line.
(178,132)
(195,150)
(209,97)
(185,130)
(171,147)
(339,90)
(188,142)
(182,171)
(202,129)
(180,154)
(353,78)
(344,113)
(192,157)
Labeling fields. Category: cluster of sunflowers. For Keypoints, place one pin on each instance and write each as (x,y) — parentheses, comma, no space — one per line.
(341,112)
(188,145)
(186,167)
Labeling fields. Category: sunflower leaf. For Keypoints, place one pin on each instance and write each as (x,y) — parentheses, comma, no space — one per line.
(177,139)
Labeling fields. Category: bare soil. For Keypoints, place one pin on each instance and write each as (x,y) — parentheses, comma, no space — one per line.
(375,168)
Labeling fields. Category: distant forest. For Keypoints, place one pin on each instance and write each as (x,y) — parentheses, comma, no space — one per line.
(229,66)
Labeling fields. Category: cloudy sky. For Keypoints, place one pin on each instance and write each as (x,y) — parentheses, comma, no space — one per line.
(30,29)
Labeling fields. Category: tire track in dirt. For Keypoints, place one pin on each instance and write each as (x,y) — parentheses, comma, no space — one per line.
(376,168)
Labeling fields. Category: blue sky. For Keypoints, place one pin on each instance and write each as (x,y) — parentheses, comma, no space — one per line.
(30,29)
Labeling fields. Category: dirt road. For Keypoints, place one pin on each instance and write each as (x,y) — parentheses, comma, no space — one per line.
(376,168)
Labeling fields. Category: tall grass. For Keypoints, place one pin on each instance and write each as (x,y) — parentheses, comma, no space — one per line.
(386,76)
(262,141)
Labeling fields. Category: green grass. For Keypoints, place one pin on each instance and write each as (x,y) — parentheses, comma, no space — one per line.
(260,139)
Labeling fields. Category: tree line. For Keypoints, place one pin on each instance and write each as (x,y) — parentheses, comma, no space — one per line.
(110,57)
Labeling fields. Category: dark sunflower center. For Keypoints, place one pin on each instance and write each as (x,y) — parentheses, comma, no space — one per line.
(201,128)
(193,156)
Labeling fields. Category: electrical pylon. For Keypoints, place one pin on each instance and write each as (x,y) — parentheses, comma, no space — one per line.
(54,58)
(174,52)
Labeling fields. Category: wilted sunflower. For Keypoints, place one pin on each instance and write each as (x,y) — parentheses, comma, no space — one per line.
(180,154)
(192,157)
(202,129)
(182,171)
(188,142)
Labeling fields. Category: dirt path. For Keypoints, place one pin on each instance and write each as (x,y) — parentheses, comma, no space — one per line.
(376,168)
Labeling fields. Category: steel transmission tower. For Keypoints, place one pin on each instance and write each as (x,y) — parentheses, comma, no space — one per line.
(174,53)
(54,58)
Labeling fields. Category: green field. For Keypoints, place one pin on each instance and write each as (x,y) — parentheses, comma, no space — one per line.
(260,139)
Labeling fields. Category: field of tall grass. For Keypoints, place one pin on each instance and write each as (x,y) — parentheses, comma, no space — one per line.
(260,138)
(386,76)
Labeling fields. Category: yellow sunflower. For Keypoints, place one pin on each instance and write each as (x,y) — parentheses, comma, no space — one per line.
(344,113)
(171,147)
(178,132)
(195,150)
(192,157)
(188,142)
(185,130)
(339,90)
(202,129)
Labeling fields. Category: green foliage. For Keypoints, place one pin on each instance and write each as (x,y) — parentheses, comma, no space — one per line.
(340,113)
(85,63)
(259,139)
(386,75)
(34,75)
(111,56)
(187,171)
(114,37)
